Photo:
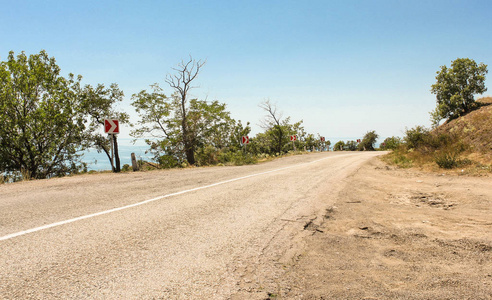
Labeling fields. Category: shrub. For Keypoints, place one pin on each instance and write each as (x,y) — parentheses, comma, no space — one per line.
(167,161)
(399,157)
(416,137)
(339,146)
(447,160)
(351,145)
(368,141)
(391,143)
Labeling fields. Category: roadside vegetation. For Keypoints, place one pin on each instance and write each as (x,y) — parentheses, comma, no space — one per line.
(48,120)
(463,142)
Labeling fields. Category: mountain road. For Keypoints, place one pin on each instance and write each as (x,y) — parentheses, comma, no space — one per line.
(195,233)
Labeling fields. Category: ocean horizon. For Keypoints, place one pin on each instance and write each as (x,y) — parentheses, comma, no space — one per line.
(100,162)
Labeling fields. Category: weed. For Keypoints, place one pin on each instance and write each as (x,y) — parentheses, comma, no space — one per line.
(447,160)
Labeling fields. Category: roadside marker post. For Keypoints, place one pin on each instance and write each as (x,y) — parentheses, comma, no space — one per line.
(245,142)
(293,138)
(112,127)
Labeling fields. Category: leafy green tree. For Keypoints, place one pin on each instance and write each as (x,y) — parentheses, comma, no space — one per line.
(208,124)
(278,130)
(98,104)
(41,116)
(455,88)
(368,141)
(310,142)
(274,127)
(339,146)
(351,145)
(391,143)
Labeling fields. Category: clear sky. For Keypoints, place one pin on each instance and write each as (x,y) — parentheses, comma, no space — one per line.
(344,67)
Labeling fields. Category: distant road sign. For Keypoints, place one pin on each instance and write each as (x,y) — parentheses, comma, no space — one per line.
(245,140)
(358,141)
(293,138)
(111,126)
(322,138)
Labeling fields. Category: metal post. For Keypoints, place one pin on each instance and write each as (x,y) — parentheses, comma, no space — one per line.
(112,152)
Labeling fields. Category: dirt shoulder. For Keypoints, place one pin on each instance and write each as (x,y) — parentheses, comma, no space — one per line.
(399,234)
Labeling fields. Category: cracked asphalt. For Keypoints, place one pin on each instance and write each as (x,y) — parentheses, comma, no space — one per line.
(228,241)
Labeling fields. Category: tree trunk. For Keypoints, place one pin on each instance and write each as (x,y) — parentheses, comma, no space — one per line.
(190,155)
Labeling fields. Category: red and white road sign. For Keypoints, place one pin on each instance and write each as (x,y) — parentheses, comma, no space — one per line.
(111,126)
(293,138)
(358,140)
(322,138)
(245,140)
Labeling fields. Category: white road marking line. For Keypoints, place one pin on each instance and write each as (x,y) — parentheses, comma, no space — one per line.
(13,235)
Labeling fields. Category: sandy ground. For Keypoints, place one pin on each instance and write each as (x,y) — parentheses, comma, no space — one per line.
(398,234)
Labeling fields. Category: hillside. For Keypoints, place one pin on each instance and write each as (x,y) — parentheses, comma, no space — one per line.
(462,145)
(474,130)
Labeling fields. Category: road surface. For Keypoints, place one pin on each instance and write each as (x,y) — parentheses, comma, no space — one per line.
(202,233)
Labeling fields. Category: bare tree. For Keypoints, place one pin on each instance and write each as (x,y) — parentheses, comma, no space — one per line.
(273,123)
(181,81)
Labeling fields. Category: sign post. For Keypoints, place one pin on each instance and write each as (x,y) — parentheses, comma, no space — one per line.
(245,142)
(293,138)
(112,127)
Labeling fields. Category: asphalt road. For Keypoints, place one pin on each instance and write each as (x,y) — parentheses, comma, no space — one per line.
(203,233)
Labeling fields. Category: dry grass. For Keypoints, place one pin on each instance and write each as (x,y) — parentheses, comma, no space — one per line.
(485,100)
(466,149)
(473,129)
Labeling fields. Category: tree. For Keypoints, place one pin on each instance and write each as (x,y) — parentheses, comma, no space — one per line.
(391,143)
(455,88)
(181,81)
(273,126)
(278,130)
(41,117)
(98,104)
(368,141)
(310,142)
(339,146)
(207,124)
(351,145)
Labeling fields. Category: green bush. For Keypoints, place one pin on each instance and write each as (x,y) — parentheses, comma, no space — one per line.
(447,160)
(339,146)
(207,156)
(237,158)
(167,161)
(416,137)
(368,141)
(391,143)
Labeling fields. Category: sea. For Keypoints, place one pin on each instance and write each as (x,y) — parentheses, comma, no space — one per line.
(126,146)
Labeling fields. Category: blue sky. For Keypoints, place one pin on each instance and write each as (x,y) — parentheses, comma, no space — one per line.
(343,67)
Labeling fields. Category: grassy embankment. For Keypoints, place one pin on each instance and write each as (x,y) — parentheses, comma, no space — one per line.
(462,145)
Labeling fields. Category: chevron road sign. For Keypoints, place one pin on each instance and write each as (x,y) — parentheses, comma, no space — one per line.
(111,126)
